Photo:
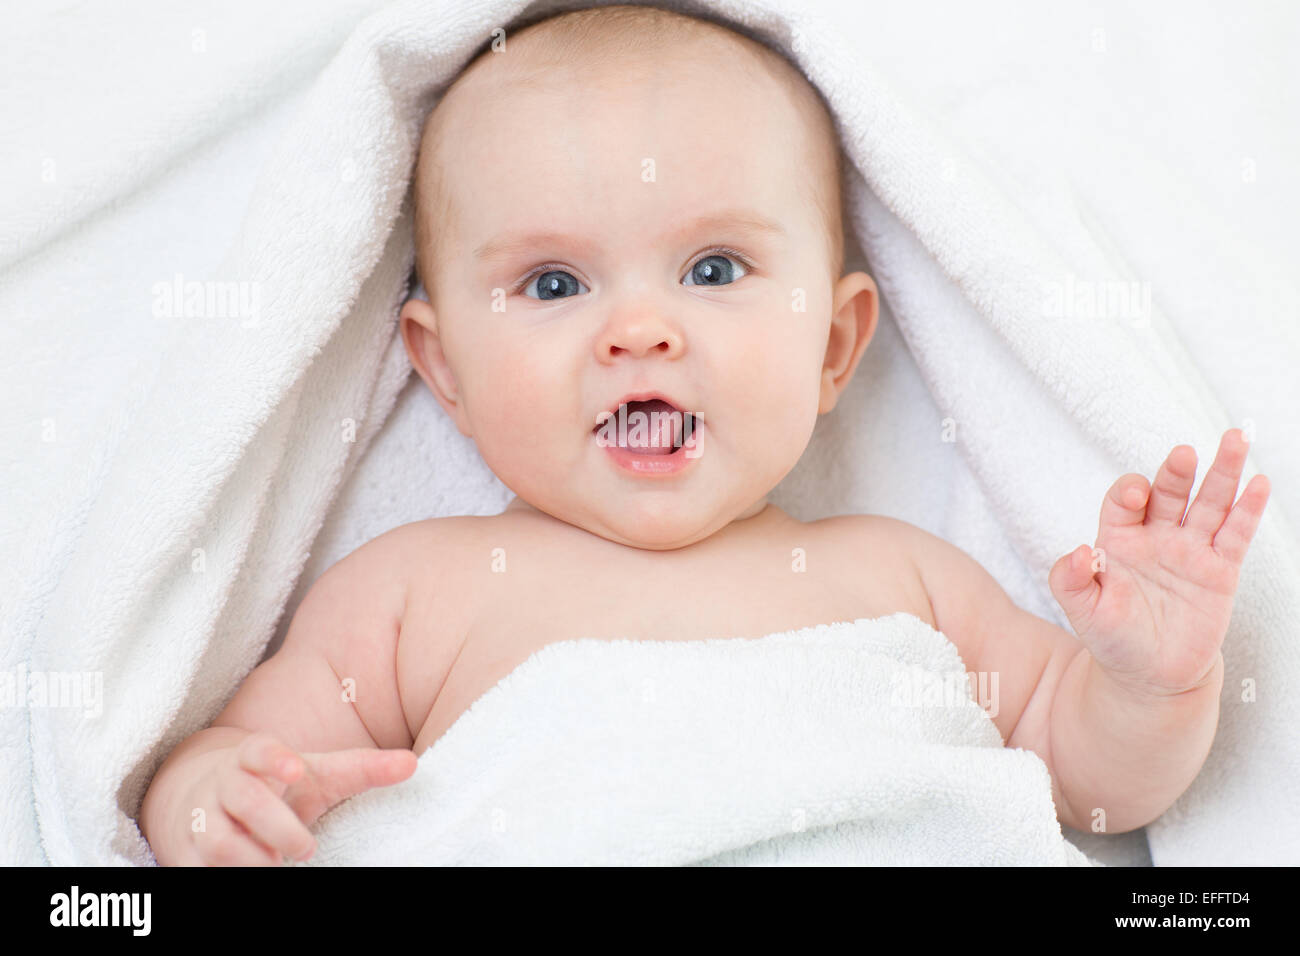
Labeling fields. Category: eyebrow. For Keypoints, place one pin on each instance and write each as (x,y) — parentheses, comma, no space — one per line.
(738,219)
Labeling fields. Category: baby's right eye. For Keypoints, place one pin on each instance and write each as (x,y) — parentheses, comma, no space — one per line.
(554,284)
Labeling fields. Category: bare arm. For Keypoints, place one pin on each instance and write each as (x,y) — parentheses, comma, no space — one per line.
(333,684)
(1028,655)
(1125,713)
(1103,749)
(331,687)
(1122,760)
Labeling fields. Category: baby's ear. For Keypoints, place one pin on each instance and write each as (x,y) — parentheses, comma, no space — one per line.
(855,310)
(419,327)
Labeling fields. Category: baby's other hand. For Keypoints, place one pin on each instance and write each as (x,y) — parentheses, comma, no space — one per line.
(260,796)
(1153,601)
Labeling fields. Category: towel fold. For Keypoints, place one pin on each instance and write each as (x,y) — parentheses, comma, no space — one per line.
(848,743)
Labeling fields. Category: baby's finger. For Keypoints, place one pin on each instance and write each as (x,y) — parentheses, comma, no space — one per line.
(278,827)
(1074,585)
(266,755)
(1124,504)
(1219,486)
(1168,498)
(226,843)
(249,801)
(345,773)
(1233,539)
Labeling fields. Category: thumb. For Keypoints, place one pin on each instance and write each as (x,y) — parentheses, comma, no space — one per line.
(340,774)
(1075,586)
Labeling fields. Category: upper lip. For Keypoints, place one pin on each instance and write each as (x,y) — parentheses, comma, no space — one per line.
(650,396)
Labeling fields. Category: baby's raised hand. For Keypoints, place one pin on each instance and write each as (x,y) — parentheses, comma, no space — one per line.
(1152,601)
(260,796)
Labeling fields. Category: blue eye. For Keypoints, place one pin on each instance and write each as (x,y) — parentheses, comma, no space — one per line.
(554,284)
(715,269)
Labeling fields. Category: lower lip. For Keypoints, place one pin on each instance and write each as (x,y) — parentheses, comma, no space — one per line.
(658,466)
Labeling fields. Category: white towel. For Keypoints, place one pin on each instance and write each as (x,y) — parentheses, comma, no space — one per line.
(166,473)
(847,743)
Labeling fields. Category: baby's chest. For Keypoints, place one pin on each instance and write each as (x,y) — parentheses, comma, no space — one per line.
(745,594)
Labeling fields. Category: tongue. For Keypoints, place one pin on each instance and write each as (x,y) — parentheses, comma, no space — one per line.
(656,436)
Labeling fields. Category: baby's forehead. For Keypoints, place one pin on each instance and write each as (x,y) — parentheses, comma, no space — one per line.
(688,111)
(541,80)
(702,61)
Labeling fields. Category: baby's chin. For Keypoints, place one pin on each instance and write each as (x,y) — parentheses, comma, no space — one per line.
(654,523)
(657,536)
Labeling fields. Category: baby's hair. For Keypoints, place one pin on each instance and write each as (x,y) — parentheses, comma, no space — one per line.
(611,34)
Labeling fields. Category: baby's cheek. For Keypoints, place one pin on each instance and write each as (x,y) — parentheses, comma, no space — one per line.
(780,371)
(515,414)
(787,406)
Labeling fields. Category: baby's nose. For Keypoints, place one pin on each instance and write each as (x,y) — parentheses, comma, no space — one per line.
(638,336)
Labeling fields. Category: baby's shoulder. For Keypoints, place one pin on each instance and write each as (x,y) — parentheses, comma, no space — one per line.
(895,540)
(871,533)
(438,546)
(889,550)
(452,536)
(442,559)
(439,535)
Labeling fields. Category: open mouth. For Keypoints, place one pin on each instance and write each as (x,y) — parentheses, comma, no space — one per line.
(648,427)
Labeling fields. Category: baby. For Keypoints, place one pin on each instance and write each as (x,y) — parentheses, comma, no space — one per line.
(629,227)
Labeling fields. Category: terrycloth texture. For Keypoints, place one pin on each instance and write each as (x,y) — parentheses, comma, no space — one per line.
(847,743)
(166,473)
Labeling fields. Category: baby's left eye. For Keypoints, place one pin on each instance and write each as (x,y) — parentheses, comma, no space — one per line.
(715,269)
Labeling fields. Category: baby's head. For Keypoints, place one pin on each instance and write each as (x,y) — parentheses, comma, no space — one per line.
(627,202)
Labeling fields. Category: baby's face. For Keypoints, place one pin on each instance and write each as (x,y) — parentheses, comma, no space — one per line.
(582,263)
